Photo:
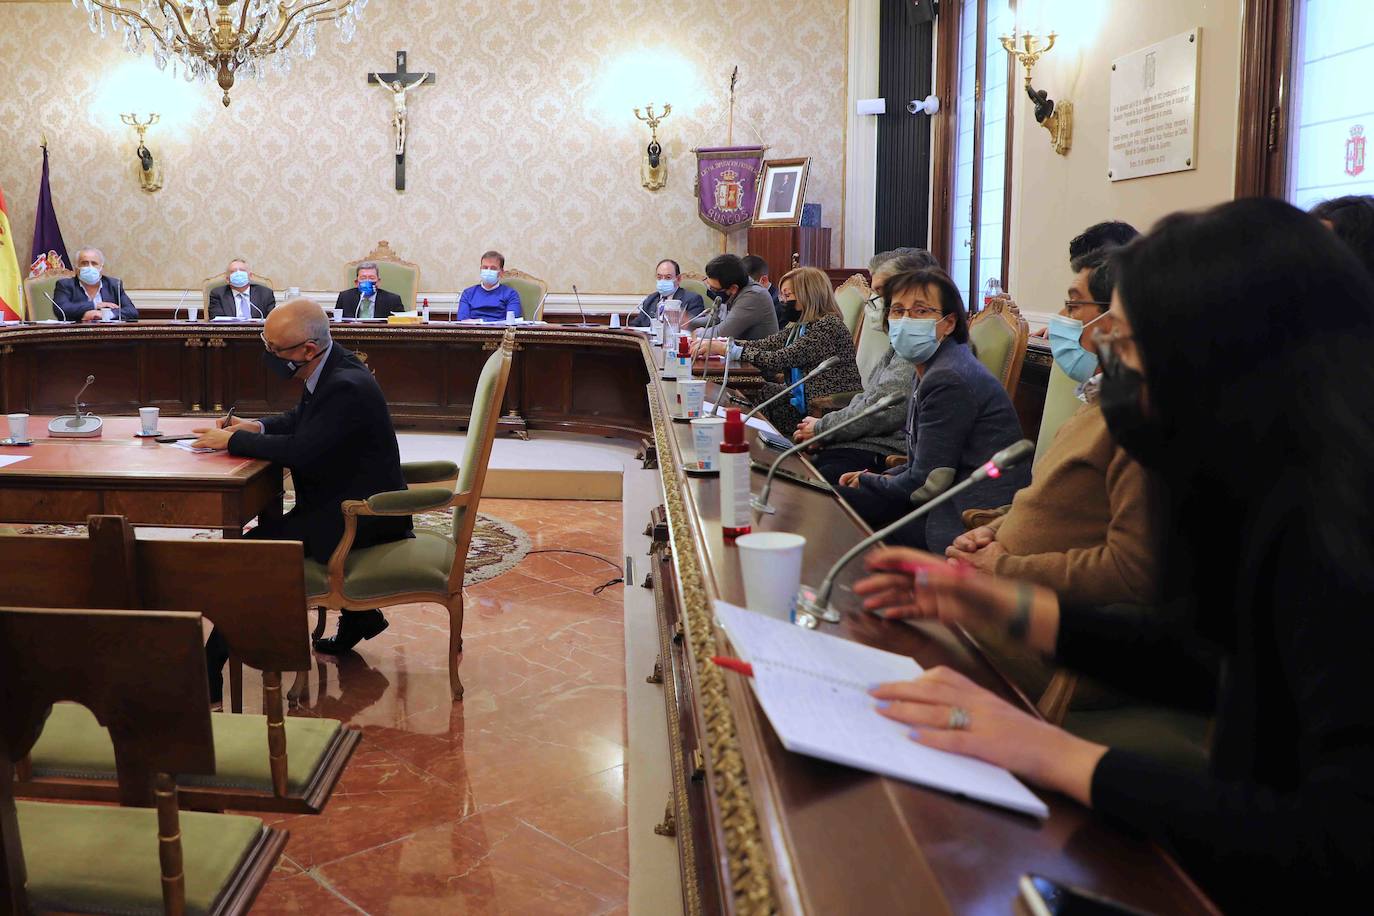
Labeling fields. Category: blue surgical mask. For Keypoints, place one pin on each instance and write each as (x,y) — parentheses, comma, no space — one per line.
(664,287)
(1065,334)
(913,338)
(489,276)
(367,287)
(238,278)
(89,275)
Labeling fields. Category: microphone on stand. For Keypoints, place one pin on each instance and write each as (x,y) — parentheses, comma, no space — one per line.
(184,293)
(254,308)
(119,300)
(724,379)
(820,367)
(76,426)
(815,603)
(760,502)
(56,312)
(578,297)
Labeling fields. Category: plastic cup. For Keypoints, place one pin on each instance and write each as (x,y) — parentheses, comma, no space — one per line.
(147,417)
(707,435)
(615,319)
(336,314)
(669,384)
(771,562)
(672,315)
(19,426)
(293,292)
(691,392)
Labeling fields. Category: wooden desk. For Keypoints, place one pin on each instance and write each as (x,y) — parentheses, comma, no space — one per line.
(764,830)
(62,481)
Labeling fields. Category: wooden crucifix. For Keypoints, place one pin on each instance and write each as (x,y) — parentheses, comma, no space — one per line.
(398,84)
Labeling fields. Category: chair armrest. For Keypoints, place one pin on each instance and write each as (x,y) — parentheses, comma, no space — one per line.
(400,502)
(428,471)
(895,461)
(832,402)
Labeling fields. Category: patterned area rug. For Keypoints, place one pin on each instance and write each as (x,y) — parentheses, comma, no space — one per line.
(497,545)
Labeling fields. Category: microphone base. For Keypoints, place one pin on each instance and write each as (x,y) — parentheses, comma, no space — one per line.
(807,603)
(73,427)
(760,506)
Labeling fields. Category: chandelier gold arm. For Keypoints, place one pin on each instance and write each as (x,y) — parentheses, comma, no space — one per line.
(315,14)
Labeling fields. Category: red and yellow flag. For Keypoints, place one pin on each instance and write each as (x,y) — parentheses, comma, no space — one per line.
(11,280)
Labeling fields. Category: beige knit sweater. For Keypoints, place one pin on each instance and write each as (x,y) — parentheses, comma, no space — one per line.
(1083,527)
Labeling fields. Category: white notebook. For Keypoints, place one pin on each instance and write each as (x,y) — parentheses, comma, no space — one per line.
(814,689)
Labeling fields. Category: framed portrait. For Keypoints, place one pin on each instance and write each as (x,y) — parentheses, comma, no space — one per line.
(782,189)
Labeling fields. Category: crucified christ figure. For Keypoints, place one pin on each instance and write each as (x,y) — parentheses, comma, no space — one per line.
(398,92)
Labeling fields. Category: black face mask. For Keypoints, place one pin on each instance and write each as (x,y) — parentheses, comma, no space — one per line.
(281,367)
(790,312)
(722,293)
(1130,426)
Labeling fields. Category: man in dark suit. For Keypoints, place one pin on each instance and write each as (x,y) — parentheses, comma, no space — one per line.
(668,286)
(90,295)
(367,299)
(240,297)
(338,443)
(757,268)
(749,311)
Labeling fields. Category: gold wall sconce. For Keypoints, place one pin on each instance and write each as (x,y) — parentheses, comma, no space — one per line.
(1057,118)
(149,170)
(653,168)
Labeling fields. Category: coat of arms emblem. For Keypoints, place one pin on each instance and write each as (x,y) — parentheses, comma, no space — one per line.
(728,191)
(1354,151)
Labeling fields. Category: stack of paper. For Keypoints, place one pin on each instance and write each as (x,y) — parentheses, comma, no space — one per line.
(814,689)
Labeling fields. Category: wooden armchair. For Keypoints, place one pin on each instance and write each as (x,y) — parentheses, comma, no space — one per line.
(696,283)
(396,274)
(210,284)
(143,674)
(428,567)
(852,297)
(999,334)
(252,591)
(38,289)
(533,291)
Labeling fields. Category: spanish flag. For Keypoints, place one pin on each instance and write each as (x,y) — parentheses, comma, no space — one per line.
(11,280)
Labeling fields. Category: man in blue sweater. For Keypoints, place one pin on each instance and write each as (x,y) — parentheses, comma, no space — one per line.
(489,300)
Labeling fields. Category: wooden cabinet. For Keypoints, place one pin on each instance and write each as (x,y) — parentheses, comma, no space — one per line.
(780,245)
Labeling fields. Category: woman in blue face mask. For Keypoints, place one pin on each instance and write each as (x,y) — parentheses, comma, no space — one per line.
(959,416)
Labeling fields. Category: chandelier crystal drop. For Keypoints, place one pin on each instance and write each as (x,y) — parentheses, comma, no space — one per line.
(218,39)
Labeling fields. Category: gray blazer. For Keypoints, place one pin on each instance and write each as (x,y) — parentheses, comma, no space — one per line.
(883,432)
(960,415)
(750,315)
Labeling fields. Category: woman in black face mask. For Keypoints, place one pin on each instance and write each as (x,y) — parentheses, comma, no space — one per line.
(1241,368)
(814,331)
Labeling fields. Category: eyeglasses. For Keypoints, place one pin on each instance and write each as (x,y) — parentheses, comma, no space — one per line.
(1071,306)
(277,351)
(1111,345)
(922,312)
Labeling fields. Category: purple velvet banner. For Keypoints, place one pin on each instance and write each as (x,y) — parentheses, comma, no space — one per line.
(728,185)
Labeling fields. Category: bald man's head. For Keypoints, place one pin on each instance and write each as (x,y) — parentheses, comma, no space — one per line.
(297,331)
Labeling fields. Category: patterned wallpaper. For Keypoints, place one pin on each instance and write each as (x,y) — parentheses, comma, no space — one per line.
(507,150)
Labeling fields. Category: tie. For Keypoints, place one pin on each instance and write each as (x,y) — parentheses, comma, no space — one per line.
(243,305)
(364,308)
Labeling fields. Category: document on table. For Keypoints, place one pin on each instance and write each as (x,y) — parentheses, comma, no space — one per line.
(753,422)
(814,689)
(7,460)
(186,445)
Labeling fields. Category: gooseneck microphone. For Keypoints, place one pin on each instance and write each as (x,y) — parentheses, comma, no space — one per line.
(76,426)
(578,297)
(76,401)
(724,379)
(936,490)
(820,367)
(760,502)
(182,302)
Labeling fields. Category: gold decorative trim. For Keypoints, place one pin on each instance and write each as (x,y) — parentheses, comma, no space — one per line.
(750,875)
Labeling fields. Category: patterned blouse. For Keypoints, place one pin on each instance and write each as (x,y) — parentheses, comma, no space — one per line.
(824,337)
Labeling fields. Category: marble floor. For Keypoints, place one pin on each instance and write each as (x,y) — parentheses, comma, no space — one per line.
(512,801)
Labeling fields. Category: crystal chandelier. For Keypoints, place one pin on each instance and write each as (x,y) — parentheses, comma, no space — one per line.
(222,38)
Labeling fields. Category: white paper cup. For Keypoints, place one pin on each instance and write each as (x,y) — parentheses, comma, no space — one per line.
(707,435)
(691,392)
(669,385)
(336,314)
(615,319)
(19,426)
(293,292)
(147,416)
(771,562)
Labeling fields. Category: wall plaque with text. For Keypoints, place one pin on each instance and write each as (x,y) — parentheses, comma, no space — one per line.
(1153,116)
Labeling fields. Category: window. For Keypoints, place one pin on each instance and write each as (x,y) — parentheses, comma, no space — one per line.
(975,73)
(1307,102)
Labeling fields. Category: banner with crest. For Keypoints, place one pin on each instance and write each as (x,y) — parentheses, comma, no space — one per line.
(727,185)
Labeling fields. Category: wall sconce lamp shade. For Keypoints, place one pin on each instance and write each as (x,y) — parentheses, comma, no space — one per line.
(147,167)
(1057,118)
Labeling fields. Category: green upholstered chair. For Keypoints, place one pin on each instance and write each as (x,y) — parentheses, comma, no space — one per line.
(254,593)
(428,567)
(209,284)
(873,343)
(396,274)
(38,289)
(533,291)
(697,284)
(851,295)
(1061,402)
(999,333)
(146,856)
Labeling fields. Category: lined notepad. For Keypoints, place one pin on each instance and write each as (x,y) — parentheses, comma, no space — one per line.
(814,689)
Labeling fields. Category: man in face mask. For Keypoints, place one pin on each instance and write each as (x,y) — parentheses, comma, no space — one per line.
(489,300)
(746,311)
(667,285)
(240,297)
(367,299)
(1084,526)
(338,443)
(90,295)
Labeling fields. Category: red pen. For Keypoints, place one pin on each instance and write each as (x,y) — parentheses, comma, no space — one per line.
(739,666)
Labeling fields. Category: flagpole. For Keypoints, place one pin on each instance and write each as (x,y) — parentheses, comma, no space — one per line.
(729,141)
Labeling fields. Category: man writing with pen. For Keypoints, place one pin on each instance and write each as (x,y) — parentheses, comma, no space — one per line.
(338,443)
